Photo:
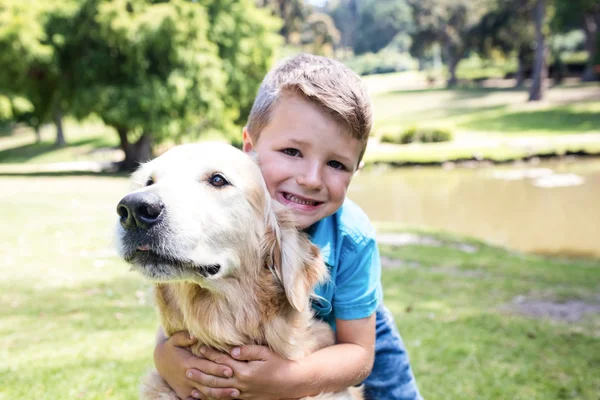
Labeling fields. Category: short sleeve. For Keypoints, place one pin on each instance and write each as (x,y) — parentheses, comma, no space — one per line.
(358,282)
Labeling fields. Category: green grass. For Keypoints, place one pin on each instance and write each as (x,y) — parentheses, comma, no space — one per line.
(490,123)
(77,324)
(491,110)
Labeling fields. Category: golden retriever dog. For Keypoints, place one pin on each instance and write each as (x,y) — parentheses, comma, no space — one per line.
(228,264)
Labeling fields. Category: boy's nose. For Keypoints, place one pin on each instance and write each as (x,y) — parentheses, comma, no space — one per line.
(311,178)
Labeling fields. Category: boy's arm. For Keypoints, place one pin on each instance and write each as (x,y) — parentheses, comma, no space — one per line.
(259,373)
(345,364)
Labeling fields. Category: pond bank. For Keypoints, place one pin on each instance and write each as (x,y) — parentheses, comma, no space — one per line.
(472,151)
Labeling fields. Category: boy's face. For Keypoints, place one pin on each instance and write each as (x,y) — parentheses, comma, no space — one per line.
(307,159)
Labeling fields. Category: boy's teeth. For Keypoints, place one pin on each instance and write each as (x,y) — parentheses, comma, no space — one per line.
(293,198)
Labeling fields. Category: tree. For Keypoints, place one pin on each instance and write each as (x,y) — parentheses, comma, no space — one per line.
(165,69)
(320,35)
(583,14)
(345,17)
(370,25)
(507,27)
(293,13)
(246,39)
(450,23)
(28,58)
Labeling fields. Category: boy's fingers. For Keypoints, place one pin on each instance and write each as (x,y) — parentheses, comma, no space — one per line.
(250,353)
(217,356)
(182,339)
(216,393)
(210,368)
(203,379)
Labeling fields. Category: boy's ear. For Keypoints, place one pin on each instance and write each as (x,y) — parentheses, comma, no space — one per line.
(247,141)
(360,166)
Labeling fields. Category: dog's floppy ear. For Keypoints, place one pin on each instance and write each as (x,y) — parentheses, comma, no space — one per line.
(292,257)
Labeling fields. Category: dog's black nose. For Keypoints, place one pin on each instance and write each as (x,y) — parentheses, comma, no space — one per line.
(140,210)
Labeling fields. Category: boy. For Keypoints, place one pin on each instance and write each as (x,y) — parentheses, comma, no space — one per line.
(309,126)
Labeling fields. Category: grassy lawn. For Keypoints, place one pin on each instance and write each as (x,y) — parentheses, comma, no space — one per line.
(76,324)
(566,110)
(90,141)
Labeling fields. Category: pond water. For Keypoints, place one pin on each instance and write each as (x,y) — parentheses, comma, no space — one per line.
(549,207)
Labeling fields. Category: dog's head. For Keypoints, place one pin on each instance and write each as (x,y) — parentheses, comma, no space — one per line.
(202,213)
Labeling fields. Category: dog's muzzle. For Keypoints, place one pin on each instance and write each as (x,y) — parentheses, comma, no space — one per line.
(141,214)
(140,211)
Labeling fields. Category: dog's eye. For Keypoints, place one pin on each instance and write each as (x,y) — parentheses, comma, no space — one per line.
(217,180)
(150,181)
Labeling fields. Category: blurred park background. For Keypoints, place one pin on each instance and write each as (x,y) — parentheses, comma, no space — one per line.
(482,176)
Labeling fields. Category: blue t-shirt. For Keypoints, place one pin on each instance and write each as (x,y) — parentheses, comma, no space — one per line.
(349,249)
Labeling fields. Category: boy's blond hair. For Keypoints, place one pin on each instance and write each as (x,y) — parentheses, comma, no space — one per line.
(331,85)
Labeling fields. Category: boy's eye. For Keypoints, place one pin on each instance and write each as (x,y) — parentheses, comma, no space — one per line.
(291,152)
(337,165)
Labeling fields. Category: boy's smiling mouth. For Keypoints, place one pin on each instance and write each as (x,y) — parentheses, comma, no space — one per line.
(298,201)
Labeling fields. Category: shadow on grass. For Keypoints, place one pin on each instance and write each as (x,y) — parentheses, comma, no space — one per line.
(431,115)
(65,174)
(26,152)
(448,112)
(460,92)
(557,120)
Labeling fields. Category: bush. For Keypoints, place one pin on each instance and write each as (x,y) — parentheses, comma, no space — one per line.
(420,135)
(384,61)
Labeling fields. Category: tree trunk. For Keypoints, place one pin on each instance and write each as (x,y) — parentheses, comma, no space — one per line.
(452,63)
(453,54)
(560,69)
(540,69)
(38,134)
(135,153)
(60,136)
(520,75)
(590,27)
(143,149)
(283,14)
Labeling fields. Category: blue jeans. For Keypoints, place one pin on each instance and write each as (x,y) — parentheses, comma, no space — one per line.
(391,377)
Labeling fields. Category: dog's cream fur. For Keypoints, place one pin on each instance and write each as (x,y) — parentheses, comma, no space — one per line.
(261,293)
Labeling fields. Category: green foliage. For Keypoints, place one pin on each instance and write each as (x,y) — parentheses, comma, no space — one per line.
(6,112)
(293,15)
(319,35)
(370,25)
(144,67)
(452,24)
(381,62)
(569,13)
(246,39)
(416,134)
(167,69)
(148,67)
(378,24)
(28,54)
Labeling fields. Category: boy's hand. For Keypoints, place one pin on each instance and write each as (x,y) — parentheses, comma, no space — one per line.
(173,358)
(258,373)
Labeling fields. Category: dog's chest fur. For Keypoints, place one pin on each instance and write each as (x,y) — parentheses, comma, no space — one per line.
(247,312)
